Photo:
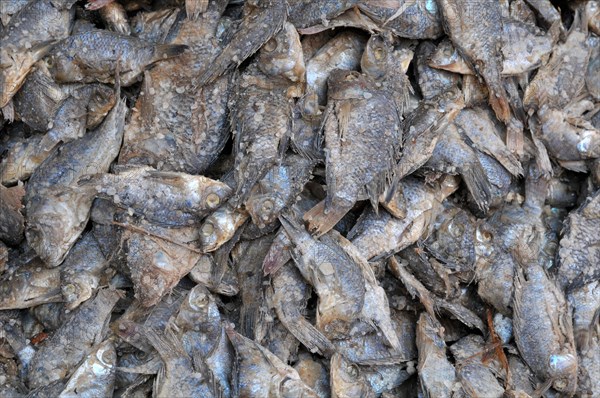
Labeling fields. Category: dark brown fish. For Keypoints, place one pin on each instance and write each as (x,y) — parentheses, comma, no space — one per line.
(473,28)
(183,200)
(12,222)
(543,328)
(52,230)
(262,20)
(261,109)
(305,13)
(420,19)
(84,270)
(27,38)
(361,122)
(261,374)
(93,56)
(75,339)
(278,189)
(559,81)
(176,127)
(579,251)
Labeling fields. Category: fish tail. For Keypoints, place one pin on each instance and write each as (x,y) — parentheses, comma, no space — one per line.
(277,256)
(306,333)
(320,220)
(515,142)
(164,51)
(478,185)
(499,102)
(193,8)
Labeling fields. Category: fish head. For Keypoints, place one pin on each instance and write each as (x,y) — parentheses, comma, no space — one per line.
(454,240)
(101,102)
(282,55)
(309,105)
(346,378)
(195,308)
(15,65)
(347,84)
(376,57)
(484,240)
(104,360)
(220,226)
(563,368)
(64,69)
(445,57)
(79,289)
(214,193)
(264,209)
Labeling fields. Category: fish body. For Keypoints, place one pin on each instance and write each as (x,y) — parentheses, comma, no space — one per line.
(74,340)
(57,209)
(361,122)
(473,28)
(27,38)
(94,55)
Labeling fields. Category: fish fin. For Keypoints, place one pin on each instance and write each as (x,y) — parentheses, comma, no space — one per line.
(463,314)
(97,4)
(514,142)
(150,367)
(164,51)
(277,255)
(193,8)
(40,50)
(578,166)
(249,316)
(304,331)
(541,390)
(499,103)
(478,185)
(320,220)
(166,345)
(172,178)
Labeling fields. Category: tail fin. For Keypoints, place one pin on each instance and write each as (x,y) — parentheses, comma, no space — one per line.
(515,142)
(499,102)
(304,331)
(278,254)
(320,220)
(193,8)
(478,185)
(165,51)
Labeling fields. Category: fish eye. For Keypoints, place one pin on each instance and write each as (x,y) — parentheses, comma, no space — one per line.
(208,229)
(267,206)
(50,62)
(379,53)
(213,200)
(69,289)
(560,364)
(107,357)
(271,45)
(484,236)
(456,230)
(352,371)
(141,355)
(198,301)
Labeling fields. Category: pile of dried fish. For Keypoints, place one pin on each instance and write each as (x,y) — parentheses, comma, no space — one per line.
(296,198)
